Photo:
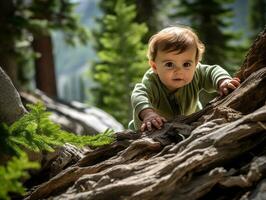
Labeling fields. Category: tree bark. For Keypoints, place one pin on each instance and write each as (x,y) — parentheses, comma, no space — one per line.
(7,43)
(44,65)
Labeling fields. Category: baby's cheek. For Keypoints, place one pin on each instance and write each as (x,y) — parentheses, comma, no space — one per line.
(188,79)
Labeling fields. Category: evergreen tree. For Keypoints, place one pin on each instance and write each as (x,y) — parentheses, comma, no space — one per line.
(212,20)
(121,61)
(22,21)
(257,16)
(149,12)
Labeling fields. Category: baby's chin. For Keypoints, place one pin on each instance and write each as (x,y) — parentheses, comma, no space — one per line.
(179,84)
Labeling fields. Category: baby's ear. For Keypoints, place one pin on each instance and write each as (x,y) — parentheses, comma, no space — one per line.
(153,66)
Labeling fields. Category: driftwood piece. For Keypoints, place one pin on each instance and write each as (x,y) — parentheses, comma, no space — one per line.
(216,153)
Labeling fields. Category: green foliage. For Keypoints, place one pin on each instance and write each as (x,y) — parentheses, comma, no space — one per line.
(36,132)
(257,16)
(150,12)
(122,61)
(21,21)
(12,173)
(39,17)
(213,20)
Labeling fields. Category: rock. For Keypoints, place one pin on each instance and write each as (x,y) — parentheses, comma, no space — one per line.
(11,107)
(74,117)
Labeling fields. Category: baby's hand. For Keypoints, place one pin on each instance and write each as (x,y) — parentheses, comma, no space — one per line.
(226,84)
(151,119)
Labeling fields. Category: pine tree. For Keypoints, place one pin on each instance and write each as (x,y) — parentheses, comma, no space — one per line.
(212,20)
(149,12)
(121,61)
(23,21)
(257,16)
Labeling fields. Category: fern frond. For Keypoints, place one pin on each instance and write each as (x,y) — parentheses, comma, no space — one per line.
(12,173)
(37,132)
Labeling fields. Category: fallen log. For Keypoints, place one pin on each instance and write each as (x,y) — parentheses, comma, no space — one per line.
(216,153)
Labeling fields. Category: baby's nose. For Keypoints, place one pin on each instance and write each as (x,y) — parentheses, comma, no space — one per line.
(178,69)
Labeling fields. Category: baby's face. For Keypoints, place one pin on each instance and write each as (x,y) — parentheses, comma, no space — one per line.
(175,70)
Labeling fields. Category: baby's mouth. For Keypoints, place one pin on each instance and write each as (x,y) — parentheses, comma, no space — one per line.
(177,79)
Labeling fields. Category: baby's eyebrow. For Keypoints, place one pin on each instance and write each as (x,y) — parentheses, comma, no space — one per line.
(167,60)
(190,61)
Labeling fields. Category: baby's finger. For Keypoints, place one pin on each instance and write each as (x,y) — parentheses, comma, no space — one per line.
(142,128)
(225,91)
(235,83)
(159,121)
(231,86)
(237,79)
(148,124)
(163,119)
(156,124)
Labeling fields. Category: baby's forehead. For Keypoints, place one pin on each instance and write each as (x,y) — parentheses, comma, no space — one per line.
(189,53)
(177,48)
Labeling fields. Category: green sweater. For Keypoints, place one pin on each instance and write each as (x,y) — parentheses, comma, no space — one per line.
(151,93)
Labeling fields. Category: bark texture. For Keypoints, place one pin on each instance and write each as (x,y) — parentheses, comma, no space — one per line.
(217,153)
(44,65)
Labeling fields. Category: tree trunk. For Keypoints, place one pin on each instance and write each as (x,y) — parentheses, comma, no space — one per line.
(7,43)
(44,65)
(146,12)
(9,65)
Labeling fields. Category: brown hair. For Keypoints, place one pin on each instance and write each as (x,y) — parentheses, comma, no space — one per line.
(174,39)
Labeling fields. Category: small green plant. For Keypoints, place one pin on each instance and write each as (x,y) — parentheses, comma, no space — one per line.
(12,173)
(36,132)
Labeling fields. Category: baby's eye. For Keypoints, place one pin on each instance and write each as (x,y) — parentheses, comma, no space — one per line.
(187,65)
(169,65)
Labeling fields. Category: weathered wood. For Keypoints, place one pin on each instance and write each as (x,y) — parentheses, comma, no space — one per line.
(164,177)
(216,153)
(255,58)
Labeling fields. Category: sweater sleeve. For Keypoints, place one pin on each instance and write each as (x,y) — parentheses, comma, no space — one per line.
(141,99)
(210,75)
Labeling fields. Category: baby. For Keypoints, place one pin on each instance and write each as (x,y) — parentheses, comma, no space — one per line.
(171,86)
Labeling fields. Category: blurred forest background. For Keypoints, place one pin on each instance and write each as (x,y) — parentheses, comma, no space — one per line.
(94,51)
